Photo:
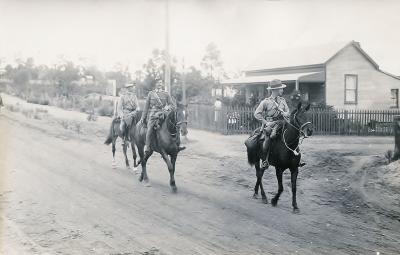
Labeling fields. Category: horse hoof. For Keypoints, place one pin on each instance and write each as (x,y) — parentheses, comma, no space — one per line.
(255,196)
(135,170)
(274,202)
(140,178)
(265,200)
(113,164)
(174,189)
(296,210)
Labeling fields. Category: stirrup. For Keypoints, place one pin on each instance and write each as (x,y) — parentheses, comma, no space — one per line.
(265,164)
(301,164)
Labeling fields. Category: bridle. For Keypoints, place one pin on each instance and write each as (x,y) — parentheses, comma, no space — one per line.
(174,124)
(299,127)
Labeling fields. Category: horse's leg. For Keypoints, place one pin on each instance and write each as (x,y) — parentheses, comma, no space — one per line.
(279,173)
(172,174)
(293,175)
(124,147)
(171,169)
(134,156)
(257,166)
(113,152)
(144,158)
(263,196)
(259,174)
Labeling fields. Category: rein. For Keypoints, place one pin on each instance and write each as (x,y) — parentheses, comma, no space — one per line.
(300,134)
(174,124)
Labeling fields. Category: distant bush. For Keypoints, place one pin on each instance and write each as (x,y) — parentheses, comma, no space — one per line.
(41,110)
(13,108)
(105,108)
(29,113)
(38,100)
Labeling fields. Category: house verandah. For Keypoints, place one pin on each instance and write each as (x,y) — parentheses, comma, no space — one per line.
(311,86)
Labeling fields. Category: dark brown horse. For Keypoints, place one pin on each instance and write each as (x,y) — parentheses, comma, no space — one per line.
(166,141)
(284,154)
(115,132)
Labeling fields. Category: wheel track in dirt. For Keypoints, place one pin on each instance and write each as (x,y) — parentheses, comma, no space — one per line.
(204,245)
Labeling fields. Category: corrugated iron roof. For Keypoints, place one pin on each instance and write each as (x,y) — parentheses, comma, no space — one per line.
(305,56)
(311,77)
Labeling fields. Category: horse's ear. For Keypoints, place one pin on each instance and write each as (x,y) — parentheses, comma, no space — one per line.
(299,106)
(307,107)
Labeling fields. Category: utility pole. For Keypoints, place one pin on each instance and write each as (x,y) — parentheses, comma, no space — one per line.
(167,77)
(183,84)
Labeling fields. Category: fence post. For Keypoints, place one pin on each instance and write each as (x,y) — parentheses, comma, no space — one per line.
(224,120)
(396,127)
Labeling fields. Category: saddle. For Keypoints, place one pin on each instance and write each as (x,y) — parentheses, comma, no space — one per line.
(259,135)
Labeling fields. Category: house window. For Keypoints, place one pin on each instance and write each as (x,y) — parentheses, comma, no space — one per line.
(395,98)
(350,88)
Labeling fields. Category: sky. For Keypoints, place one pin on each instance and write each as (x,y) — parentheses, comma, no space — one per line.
(102,33)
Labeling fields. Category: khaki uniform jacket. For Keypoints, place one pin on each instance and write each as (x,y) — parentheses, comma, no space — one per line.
(127,104)
(267,110)
(155,102)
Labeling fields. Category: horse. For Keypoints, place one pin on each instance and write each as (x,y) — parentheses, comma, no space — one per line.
(284,154)
(166,141)
(115,132)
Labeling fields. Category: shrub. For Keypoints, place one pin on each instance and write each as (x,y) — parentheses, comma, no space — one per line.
(13,108)
(28,113)
(105,109)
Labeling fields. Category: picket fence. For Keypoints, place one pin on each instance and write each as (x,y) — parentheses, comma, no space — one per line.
(240,120)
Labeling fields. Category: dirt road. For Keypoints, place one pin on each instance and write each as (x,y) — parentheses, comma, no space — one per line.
(60,195)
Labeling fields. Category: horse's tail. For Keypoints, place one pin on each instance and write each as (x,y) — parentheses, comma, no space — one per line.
(110,134)
(252,155)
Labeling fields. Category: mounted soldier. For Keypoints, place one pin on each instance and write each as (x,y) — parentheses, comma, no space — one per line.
(272,112)
(158,103)
(127,110)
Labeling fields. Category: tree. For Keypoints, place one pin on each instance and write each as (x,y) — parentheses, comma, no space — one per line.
(154,69)
(65,75)
(212,63)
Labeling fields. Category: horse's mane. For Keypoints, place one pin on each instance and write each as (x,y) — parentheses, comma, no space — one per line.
(171,120)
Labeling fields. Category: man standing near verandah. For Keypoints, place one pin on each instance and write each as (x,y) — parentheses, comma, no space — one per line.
(217,109)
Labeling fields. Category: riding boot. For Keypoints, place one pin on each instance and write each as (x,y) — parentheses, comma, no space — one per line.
(122,129)
(265,163)
(127,129)
(149,135)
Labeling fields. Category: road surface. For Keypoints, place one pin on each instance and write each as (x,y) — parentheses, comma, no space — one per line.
(60,195)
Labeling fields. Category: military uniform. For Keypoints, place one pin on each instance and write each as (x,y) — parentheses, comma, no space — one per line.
(156,102)
(271,111)
(128,106)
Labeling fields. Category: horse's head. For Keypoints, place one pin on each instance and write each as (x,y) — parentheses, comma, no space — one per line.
(176,122)
(301,119)
(182,121)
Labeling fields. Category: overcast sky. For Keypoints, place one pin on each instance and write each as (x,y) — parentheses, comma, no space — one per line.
(106,32)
